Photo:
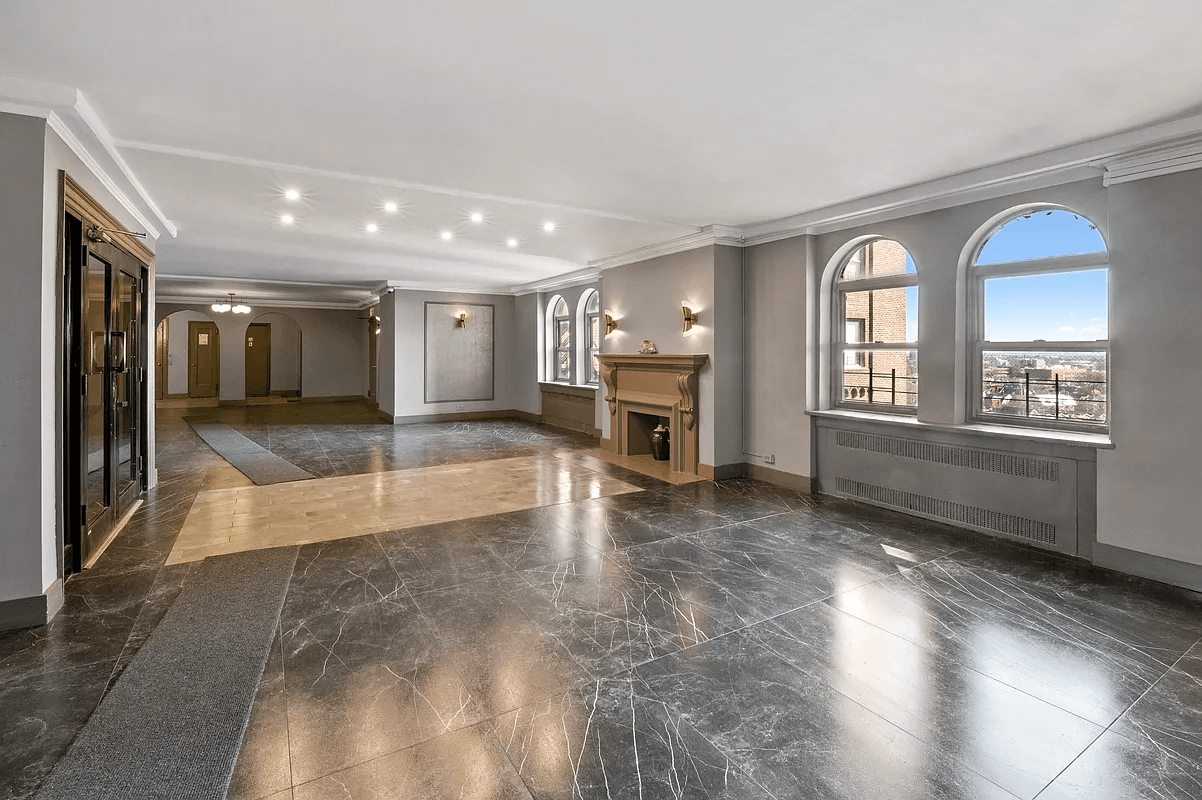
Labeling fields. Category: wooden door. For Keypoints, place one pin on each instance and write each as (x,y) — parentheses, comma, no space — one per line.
(204,359)
(160,360)
(258,359)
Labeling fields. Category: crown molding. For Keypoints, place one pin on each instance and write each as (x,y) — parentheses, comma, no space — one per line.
(1163,159)
(709,235)
(191,296)
(1148,151)
(564,281)
(267,281)
(206,301)
(412,286)
(72,118)
(88,114)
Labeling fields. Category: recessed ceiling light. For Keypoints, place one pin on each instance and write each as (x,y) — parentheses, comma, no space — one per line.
(548,226)
(511,243)
(390,207)
(477,217)
(286,219)
(292,194)
(446,235)
(372,227)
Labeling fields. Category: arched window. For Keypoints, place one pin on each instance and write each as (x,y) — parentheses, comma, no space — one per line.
(590,344)
(559,341)
(1039,301)
(876,329)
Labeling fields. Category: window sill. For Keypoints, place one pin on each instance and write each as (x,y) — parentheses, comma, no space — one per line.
(1096,441)
(576,387)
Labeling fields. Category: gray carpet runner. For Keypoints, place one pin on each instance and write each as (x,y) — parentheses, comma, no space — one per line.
(257,463)
(172,725)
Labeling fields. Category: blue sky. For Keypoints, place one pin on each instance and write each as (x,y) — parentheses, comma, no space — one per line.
(1067,307)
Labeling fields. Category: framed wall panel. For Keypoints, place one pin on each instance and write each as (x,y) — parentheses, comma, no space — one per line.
(459,360)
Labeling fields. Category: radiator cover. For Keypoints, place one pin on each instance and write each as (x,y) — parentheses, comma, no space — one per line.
(1038,492)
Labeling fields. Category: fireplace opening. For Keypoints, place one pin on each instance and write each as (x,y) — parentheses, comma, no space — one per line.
(638,432)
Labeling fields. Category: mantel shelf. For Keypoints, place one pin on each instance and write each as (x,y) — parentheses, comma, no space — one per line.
(668,362)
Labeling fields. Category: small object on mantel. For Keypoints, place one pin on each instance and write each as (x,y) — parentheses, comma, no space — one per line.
(647,347)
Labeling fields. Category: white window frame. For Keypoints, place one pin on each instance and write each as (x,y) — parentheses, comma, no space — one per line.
(554,350)
(979,344)
(590,348)
(839,291)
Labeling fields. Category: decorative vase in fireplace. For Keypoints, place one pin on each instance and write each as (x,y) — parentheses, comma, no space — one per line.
(660,445)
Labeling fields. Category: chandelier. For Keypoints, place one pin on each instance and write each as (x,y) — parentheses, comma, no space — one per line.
(221,306)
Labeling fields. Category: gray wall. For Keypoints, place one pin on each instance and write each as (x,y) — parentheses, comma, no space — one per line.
(727,355)
(333,352)
(286,351)
(527,355)
(402,351)
(387,373)
(1148,485)
(27,565)
(31,362)
(645,300)
(177,349)
(774,399)
(460,362)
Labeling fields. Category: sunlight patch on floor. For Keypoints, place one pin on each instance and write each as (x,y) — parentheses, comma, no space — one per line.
(243,518)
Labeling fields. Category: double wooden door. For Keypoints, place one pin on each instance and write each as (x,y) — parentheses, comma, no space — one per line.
(109,311)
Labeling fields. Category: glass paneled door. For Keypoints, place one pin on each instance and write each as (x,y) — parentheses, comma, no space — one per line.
(112,378)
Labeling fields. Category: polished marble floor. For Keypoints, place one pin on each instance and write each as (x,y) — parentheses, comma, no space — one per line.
(300,512)
(729,640)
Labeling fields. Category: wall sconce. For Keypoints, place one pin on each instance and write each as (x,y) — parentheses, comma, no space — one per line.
(611,324)
(690,318)
(461,320)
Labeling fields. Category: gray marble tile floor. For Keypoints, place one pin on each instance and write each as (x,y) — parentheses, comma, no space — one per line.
(709,640)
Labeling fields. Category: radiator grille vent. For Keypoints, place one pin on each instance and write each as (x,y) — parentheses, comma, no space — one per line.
(945,509)
(1040,469)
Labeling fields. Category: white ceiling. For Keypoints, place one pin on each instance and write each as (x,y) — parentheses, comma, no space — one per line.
(626,123)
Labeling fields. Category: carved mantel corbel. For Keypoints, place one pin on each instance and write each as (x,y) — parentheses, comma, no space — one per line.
(609,374)
(688,408)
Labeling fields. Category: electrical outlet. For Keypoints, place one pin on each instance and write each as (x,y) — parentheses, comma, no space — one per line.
(770,459)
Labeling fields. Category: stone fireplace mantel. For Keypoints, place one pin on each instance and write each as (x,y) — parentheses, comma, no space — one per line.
(661,384)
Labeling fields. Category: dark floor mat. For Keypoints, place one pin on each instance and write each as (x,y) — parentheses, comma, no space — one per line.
(257,463)
(173,724)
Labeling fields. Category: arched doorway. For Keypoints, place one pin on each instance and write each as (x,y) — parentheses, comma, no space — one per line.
(187,357)
(273,356)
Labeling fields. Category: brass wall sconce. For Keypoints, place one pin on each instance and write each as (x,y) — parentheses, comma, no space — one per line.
(611,324)
(690,318)
(461,320)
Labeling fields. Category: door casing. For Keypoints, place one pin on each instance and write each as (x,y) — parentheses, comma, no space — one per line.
(204,366)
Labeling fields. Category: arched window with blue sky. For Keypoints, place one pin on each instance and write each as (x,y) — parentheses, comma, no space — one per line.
(1041,338)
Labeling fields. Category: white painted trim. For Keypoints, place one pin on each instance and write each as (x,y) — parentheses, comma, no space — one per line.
(270,281)
(63,106)
(1042,266)
(92,120)
(709,235)
(410,286)
(374,181)
(969,187)
(1050,168)
(207,300)
(1178,156)
(60,128)
(23,109)
(578,278)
